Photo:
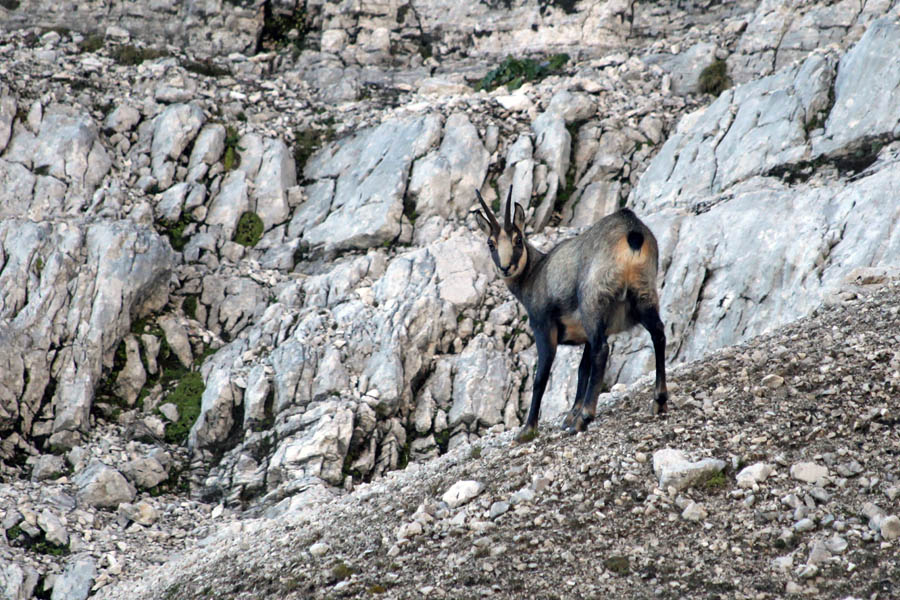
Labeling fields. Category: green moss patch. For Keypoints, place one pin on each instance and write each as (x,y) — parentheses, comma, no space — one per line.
(513,72)
(249,230)
(186,396)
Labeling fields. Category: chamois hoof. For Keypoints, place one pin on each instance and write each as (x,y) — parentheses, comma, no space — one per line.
(526,435)
(568,424)
(582,422)
(660,405)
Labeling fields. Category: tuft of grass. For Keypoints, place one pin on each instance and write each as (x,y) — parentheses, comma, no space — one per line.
(716,481)
(186,396)
(341,571)
(376,588)
(617,564)
(175,232)
(91,43)
(475,452)
(513,72)
(249,230)
(231,159)
(714,79)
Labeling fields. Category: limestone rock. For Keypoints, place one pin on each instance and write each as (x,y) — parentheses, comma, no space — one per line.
(462,492)
(673,469)
(76,579)
(101,486)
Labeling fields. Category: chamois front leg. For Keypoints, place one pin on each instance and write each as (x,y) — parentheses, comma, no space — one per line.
(584,374)
(545,340)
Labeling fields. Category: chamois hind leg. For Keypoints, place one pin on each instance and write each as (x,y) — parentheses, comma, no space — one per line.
(584,373)
(649,318)
(599,353)
(545,340)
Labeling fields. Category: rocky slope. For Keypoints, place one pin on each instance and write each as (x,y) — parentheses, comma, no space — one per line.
(774,474)
(238,272)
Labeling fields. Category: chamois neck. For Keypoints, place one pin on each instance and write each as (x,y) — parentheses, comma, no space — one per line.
(519,283)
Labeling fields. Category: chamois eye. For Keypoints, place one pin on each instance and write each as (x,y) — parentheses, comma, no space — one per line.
(491,245)
(518,241)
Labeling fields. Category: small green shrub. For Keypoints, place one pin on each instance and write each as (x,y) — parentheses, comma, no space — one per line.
(475,452)
(186,396)
(249,229)
(714,79)
(714,482)
(232,159)
(513,72)
(9,4)
(132,55)
(617,564)
(175,232)
(341,571)
(91,43)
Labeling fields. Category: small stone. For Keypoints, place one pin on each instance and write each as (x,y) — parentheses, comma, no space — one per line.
(101,486)
(890,527)
(48,466)
(772,381)
(169,411)
(818,553)
(498,508)
(753,475)
(806,524)
(793,588)
(526,494)
(409,530)
(142,513)
(462,492)
(836,544)
(54,531)
(809,472)
(319,549)
(783,563)
(807,571)
(694,512)
(673,469)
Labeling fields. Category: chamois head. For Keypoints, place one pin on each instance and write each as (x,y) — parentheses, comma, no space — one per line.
(506,242)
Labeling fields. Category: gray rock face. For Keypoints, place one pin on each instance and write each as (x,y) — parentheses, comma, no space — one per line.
(367,201)
(76,579)
(90,280)
(102,486)
(208,28)
(17,583)
(866,99)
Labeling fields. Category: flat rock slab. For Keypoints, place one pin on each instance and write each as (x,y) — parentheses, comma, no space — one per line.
(673,469)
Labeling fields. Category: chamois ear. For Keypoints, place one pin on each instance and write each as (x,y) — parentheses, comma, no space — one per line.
(519,219)
(483,223)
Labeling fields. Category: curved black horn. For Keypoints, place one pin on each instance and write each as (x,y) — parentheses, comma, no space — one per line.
(507,222)
(487,211)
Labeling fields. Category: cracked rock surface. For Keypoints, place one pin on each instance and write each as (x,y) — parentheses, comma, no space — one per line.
(239,282)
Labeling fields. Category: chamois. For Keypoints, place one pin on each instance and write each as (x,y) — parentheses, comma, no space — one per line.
(598,283)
